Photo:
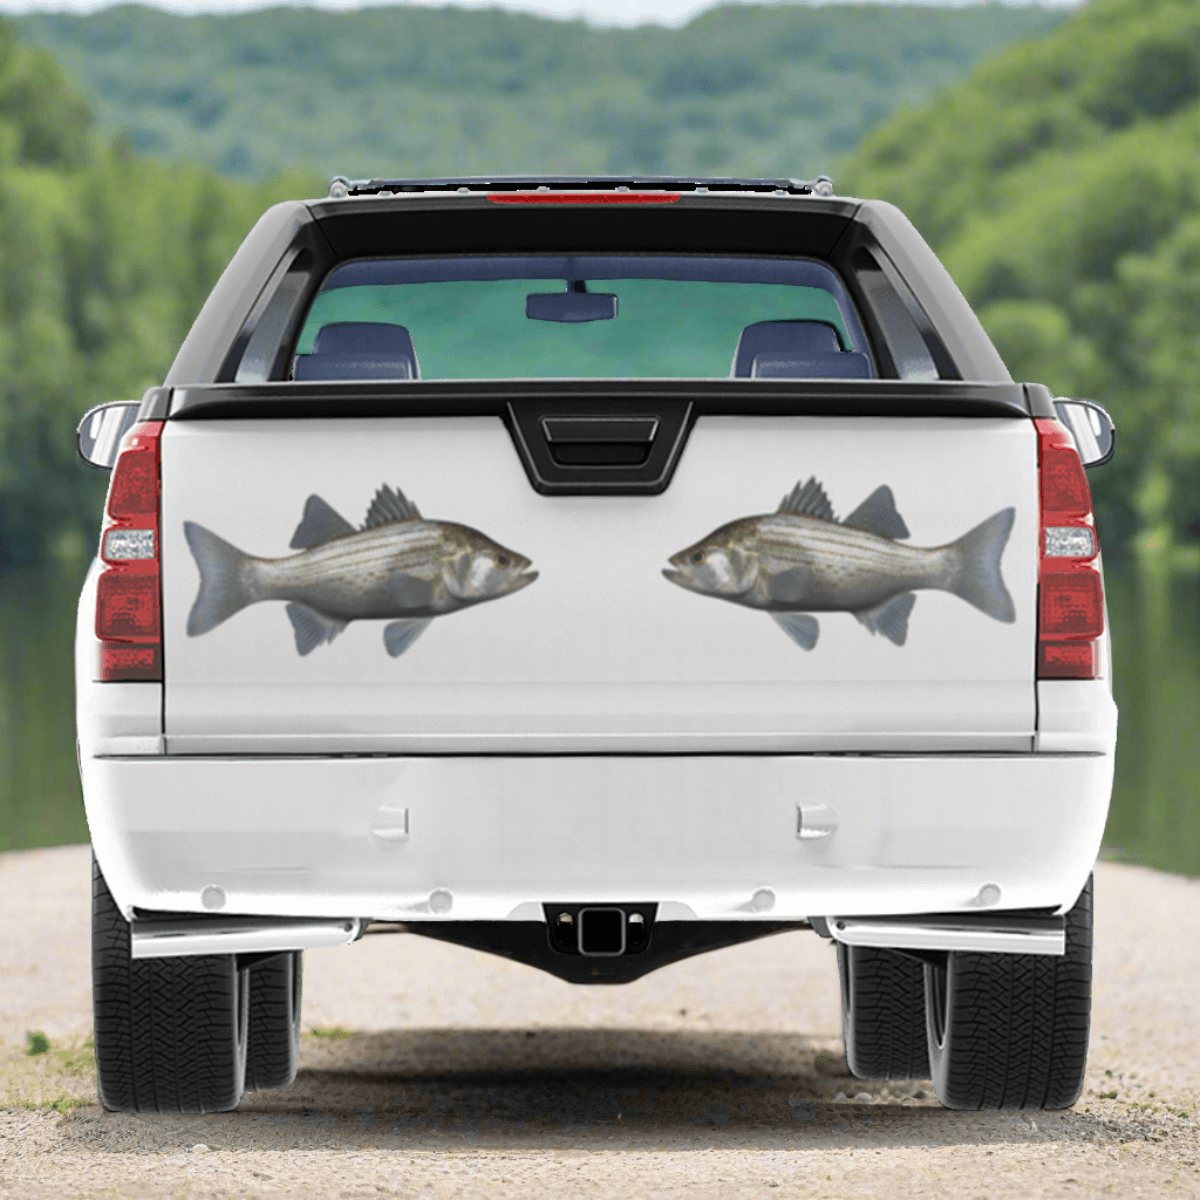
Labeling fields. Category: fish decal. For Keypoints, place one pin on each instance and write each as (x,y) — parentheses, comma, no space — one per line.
(802,559)
(399,567)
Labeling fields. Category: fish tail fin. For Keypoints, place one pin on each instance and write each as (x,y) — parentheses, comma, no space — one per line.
(976,566)
(224,588)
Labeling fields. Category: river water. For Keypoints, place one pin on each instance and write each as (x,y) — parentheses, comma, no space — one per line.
(1155,815)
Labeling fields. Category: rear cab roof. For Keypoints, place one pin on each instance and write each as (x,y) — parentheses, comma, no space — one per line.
(253,312)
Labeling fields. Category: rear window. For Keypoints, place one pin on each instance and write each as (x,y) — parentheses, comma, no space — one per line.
(594,316)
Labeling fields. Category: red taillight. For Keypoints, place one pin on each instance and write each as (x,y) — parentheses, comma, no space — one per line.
(134,489)
(1064,486)
(1067,660)
(129,592)
(127,605)
(1071,604)
(583,197)
(1071,597)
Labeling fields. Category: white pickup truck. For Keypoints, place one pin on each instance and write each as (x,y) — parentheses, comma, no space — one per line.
(445,587)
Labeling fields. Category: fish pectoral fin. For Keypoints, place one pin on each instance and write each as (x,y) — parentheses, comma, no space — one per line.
(808,500)
(319,525)
(877,514)
(889,618)
(390,505)
(409,591)
(399,635)
(800,627)
(791,586)
(312,628)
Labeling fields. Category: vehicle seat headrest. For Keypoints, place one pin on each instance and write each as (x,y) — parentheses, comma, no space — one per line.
(783,339)
(359,350)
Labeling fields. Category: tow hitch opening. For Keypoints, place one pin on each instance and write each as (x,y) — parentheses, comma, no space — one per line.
(600,931)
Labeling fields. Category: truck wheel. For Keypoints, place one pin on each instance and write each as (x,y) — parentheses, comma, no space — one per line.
(170,1032)
(1011,1030)
(274,1037)
(883,1013)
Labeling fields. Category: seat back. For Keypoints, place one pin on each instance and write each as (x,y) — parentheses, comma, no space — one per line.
(848,364)
(359,350)
(796,350)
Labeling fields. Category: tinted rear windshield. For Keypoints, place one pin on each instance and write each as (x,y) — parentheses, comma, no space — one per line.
(594,316)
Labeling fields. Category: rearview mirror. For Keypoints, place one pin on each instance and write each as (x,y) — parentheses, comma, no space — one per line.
(101,430)
(1090,427)
(571,306)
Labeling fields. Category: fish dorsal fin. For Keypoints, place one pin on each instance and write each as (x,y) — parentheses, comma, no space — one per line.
(808,500)
(389,506)
(890,618)
(319,525)
(877,514)
(312,628)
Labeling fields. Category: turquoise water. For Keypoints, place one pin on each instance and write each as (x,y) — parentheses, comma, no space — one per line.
(1155,816)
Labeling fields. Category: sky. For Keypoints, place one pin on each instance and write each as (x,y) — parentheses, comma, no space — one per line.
(597,12)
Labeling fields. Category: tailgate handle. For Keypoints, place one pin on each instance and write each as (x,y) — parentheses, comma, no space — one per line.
(599,441)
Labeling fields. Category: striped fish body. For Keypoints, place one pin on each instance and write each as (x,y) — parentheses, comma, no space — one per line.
(399,567)
(827,567)
(802,560)
(393,571)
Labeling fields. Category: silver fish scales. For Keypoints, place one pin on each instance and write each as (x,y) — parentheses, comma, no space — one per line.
(398,567)
(801,559)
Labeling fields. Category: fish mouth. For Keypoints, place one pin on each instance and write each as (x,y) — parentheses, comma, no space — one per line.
(681,580)
(517,582)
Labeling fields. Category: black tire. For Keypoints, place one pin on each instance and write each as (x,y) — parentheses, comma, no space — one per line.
(170,1033)
(883,1013)
(273,1051)
(1011,1030)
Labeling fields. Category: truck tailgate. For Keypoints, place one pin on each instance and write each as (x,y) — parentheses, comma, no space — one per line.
(601,653)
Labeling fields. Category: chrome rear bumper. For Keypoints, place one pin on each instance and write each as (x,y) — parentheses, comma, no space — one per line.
(995,935)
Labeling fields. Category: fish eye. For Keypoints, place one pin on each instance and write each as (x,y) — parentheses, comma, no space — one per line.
(502,560)
(697,557)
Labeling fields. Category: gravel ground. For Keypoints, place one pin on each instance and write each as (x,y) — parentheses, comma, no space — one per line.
(428,1070)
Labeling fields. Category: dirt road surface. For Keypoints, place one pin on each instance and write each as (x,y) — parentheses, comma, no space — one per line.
(432,1071)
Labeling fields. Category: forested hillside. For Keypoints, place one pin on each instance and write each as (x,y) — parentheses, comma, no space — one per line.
(105,259)
(407,90)
(1060,184)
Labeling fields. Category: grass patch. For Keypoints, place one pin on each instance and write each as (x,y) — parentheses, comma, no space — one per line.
(61,1103)
(43,1076)
(81,1060)
(335,1033)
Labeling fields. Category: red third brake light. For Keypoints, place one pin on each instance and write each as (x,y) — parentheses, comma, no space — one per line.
(583,197)
(129,594)
(1071,598)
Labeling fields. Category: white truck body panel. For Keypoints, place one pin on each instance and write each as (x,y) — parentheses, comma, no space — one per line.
(600,654)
